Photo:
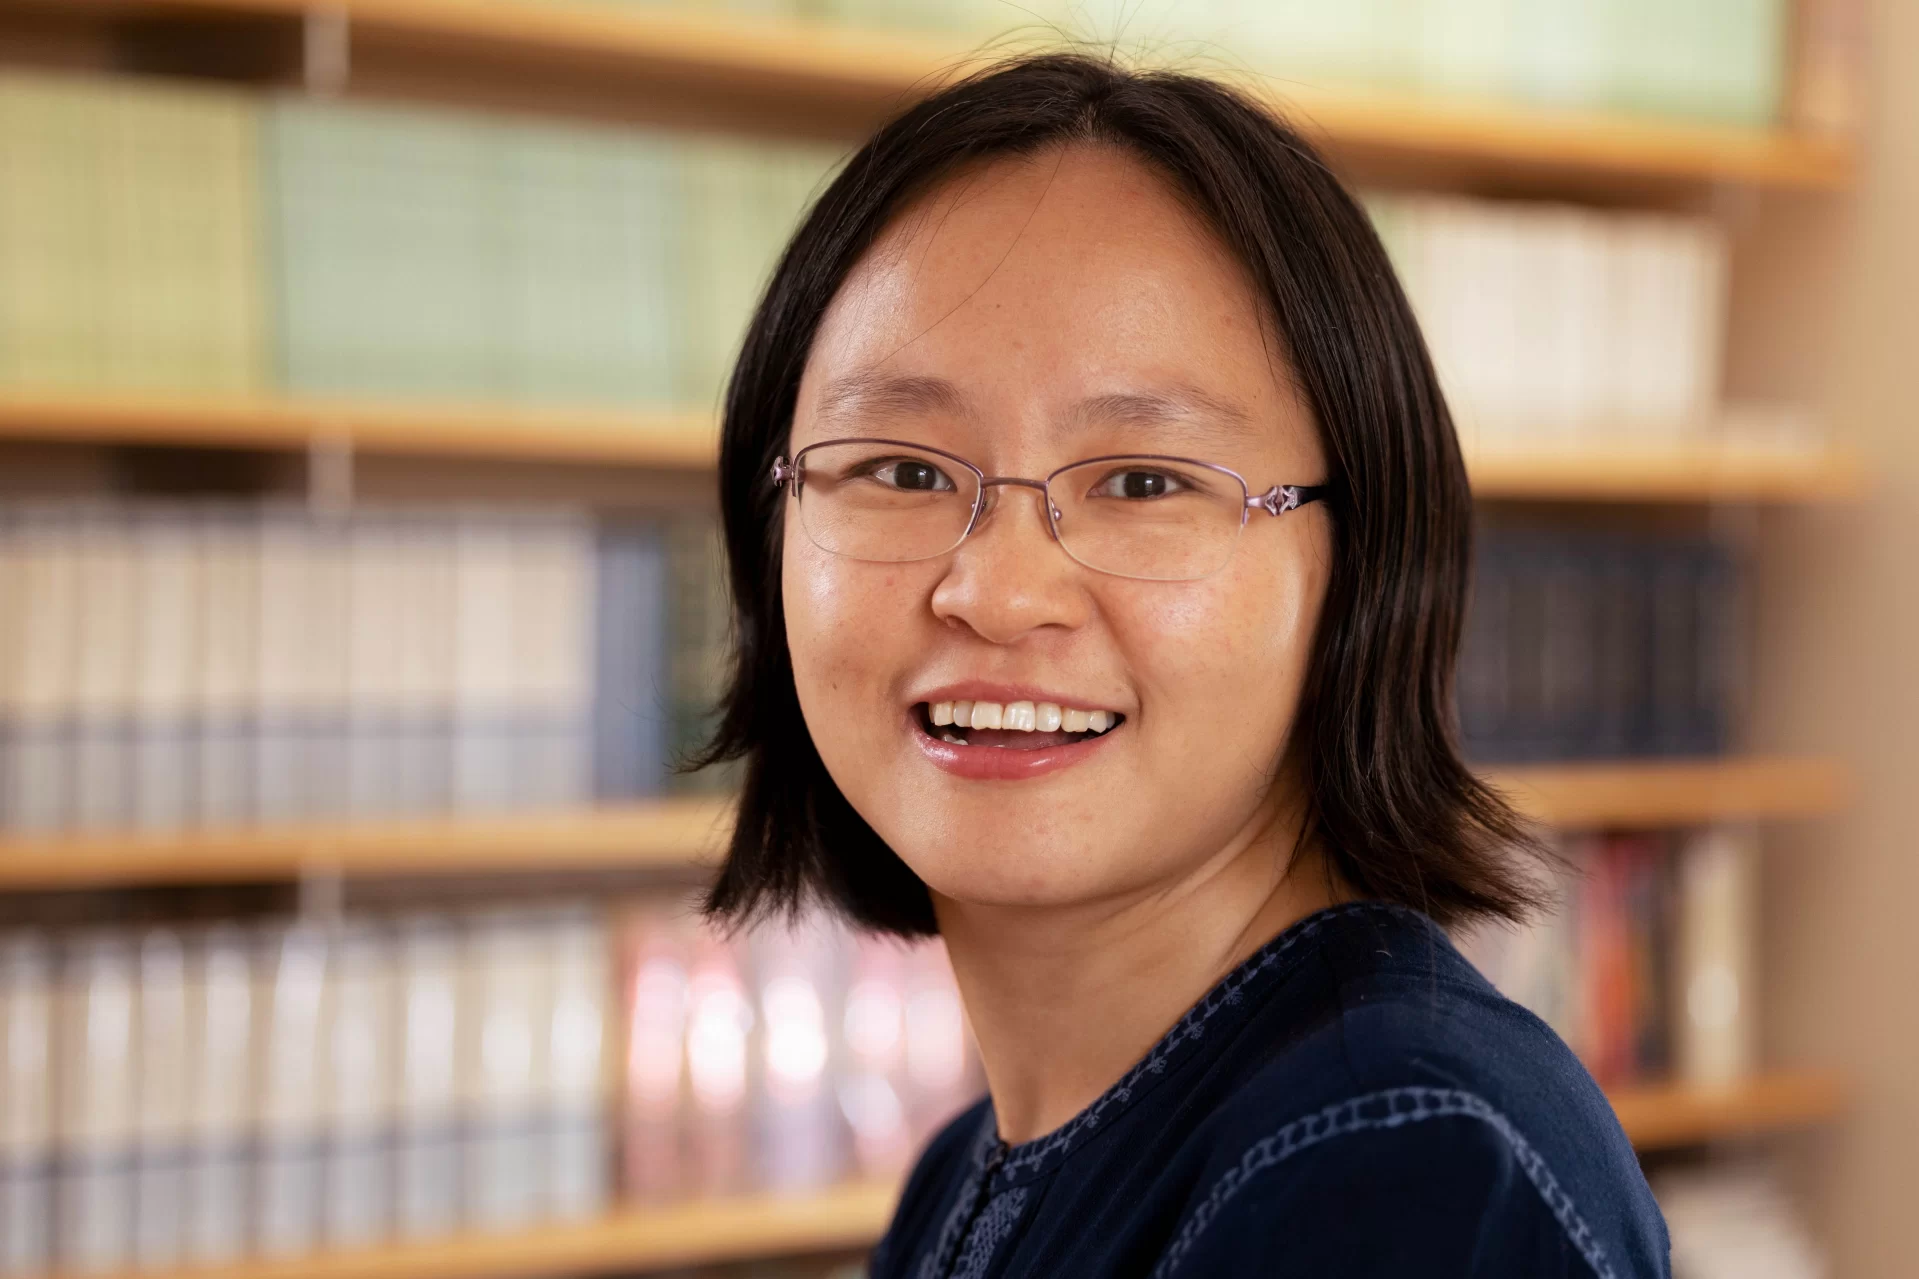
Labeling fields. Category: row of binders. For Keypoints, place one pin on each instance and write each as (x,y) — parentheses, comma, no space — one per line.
(199,239)
(1585,644)
(1646,966)
(1711,59)
(165,235)
(170,664)
(188,1095)
(1559,323)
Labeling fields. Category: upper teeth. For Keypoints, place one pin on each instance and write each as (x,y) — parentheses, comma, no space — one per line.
(1024,717)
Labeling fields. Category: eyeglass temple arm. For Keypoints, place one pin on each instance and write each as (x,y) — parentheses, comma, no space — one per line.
(1282,498)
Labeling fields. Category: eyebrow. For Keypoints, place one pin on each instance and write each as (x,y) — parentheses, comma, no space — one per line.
(1200,412)
(869,394)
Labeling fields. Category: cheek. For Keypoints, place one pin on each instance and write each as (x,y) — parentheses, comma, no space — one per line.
(847,624)
(1224,661)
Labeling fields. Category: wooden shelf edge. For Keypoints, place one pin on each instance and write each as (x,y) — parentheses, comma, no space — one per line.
(652,438)
(690,440)
(687,832)
(1709,472)
(881,69)
(1661,1116)
(665,833)
(693,1234)
(1648,794)
(1655,1116)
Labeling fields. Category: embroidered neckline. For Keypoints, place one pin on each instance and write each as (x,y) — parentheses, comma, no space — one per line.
(1030,1158)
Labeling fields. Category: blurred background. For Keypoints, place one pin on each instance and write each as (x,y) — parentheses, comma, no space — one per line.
(359,586)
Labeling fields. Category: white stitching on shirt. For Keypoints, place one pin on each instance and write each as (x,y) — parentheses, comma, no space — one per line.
(995,1223)
(1032,1155)
(963,1203)
(1390,1108)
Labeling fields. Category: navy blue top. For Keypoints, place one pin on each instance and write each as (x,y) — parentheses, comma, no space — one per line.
(1353,1100)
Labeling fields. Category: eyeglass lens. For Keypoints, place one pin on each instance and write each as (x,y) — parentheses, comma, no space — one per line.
(1152,518)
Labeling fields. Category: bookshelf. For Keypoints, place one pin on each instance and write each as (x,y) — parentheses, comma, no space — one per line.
(676,66)
(848,78)
(1725,471)
(678,833)
(853,1216)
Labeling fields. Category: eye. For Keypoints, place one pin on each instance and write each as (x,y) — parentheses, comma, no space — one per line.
(1139,484)
(909,475)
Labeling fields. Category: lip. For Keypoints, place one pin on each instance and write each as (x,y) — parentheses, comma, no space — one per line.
(1003,763)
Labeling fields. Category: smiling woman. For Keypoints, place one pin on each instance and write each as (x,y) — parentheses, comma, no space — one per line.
(1099,538)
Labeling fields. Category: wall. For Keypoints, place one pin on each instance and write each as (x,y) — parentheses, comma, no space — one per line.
(1835,316)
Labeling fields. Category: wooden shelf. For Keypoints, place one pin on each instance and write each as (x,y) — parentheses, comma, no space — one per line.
(1662,1116)
(665,833)
(846,1218)
(1707,472)
(682,832)
(1647,794)
(655,439)
(854,77)
(689,441)
(852,1217)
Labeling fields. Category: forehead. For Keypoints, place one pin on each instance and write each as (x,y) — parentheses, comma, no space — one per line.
(1037,286)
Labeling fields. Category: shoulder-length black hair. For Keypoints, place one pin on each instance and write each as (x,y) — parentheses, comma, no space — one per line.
(1392,804)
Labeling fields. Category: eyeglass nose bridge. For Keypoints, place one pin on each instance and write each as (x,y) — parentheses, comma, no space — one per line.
(989,482)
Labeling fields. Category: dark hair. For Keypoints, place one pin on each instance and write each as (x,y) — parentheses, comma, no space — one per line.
(1398,813)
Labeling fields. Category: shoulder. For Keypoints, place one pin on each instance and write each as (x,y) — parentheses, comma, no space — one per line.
(1395,1184)
(1421,1116)
(947,1162)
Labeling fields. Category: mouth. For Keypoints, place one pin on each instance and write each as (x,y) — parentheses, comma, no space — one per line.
(1022,726)
(1010,741)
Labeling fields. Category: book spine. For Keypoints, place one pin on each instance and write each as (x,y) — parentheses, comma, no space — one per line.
(504,1069)
(104,675)
(630,656)
(358,1019)
(577,1159)
(655,962)
(94,1105)
(27,1059)
(483,605)
(227,665)
(291,987)
(225,1027)
(435,1011)
(1714,1033)
(160,1104)
(166,600)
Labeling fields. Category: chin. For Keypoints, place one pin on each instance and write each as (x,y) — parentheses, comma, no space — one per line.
(1014,872)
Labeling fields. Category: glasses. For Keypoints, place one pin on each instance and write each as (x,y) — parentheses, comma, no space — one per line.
(1138,515)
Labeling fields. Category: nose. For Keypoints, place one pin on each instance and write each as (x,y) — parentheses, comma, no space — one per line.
(1009,578)
(990,500)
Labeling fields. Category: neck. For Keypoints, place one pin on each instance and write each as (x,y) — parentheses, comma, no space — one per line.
(1065,999)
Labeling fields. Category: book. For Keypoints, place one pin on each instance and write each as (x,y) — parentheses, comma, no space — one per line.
(27,1137)
(630,695)
(1586,645)
(94,1103)
(161,1117)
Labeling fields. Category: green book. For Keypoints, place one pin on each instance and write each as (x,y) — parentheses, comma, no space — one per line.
(591,231)
(389,250)
(51,291)
(181,246)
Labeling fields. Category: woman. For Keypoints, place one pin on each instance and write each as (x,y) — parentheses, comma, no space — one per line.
(1099,538)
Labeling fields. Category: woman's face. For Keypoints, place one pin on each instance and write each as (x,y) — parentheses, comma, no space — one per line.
(1029,314)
